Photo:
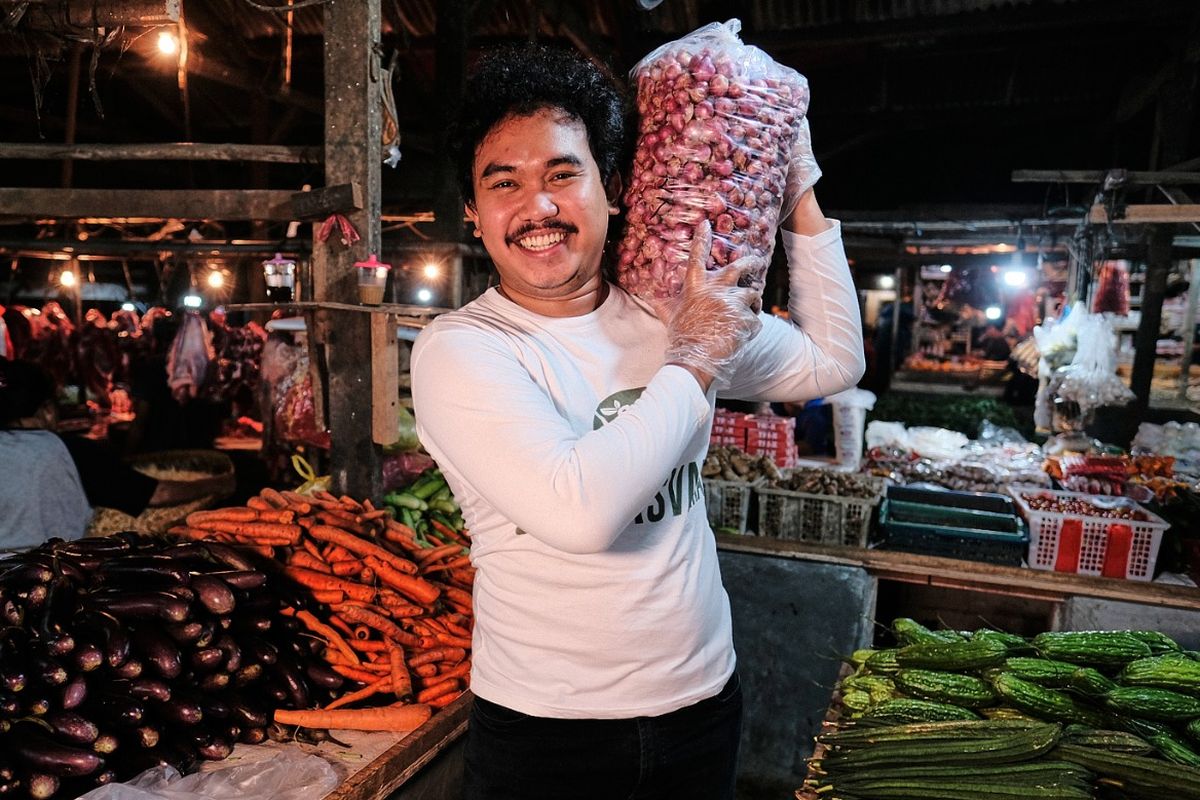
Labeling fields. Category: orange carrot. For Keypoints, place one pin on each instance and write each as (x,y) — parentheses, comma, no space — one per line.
(361,547)
(457,596)
(437,690)
(350,503)
(381,685)
(445,700)
(426,670)
(336,553)
(455,628)
(362,632)
(303,558)
(284,517)
(451,654)
(453,641)
(319,580)
(222,515)
(254,530)
(329,597)
(341,625)
(438,553)
(445,566)
(273,497)
(344,568)
(385,626)
(331,636)
(445,530)
(401,680)
(462,670)
(367,576)
(400,719)
(398,608)
(369,646)
(258,504)
(418,589)
(354,673)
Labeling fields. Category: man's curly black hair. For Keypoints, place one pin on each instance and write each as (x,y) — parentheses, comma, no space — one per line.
(520,80)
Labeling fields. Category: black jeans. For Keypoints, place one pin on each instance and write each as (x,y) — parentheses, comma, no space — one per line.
(687,754)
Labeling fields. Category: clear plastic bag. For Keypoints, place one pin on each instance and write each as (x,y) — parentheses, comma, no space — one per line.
(1091,380)
(288,775)
(718,121)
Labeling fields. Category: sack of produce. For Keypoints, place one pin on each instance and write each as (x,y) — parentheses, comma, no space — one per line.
(718,122)
(1112,289)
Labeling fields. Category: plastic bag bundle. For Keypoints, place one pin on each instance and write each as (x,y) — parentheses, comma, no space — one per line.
(718,120)
(1112,289)
(1090,379)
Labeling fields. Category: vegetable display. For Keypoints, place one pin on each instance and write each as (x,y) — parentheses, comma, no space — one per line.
(718,120)
(950,715)
(122,653)
(1139,684)
(391,602)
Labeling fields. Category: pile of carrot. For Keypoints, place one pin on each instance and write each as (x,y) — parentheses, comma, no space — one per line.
(392,609)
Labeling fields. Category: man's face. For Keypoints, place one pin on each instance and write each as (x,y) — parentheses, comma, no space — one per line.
(540,206)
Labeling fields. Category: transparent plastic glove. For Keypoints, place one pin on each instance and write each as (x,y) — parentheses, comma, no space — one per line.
(803,172)
(712,317)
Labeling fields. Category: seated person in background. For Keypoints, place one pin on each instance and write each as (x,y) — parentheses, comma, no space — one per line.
(41,495)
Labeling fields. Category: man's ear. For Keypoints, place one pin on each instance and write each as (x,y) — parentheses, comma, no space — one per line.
(472,214)
(612,191)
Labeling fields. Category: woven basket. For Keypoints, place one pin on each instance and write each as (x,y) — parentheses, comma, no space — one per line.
(167,465)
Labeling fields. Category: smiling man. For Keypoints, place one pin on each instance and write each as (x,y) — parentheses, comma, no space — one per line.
(571,421)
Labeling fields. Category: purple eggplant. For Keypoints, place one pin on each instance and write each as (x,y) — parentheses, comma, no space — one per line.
(214,594)
(185,632)
(130,669)
(181,712)
(249,716)
(105,743)
(253,735)
(73,693)
(142,605)
(88,656)
(229,556)
(149,689)
(214,681)
(73,727)
(323,676)
(241,579)
(207,659)
(233,653)
(216,749)
(248,674)
(42,786)
(147,736)
(48,671)
(45,755)
(158,652)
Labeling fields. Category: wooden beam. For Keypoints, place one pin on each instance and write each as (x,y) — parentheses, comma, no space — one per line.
(1146,213)
(353,130)
(1145,341)
(221,204)
(385,379)
(341,199)
(1092,176)
(110,13)
(171,151)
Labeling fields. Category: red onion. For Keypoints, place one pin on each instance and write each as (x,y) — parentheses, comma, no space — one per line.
(718,120)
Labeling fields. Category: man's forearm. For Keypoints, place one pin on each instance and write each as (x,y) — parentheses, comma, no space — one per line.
(806,219)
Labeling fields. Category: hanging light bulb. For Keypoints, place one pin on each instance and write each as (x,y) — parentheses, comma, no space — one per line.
(216,279)
(68,279)
(431,270)
(168,44)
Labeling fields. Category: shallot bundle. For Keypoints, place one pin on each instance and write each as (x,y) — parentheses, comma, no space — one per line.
(718,122)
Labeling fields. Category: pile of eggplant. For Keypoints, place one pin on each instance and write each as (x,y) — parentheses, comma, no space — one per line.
(122,653)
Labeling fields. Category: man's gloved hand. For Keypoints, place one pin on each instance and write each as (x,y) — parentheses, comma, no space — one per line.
(803,171)
(712,317)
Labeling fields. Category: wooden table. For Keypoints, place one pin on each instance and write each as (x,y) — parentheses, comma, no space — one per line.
(398,764)
(971,575)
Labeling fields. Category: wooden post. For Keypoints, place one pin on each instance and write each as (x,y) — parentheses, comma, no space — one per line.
(1189,329)
(353,124)
(1145,342)
(68,167)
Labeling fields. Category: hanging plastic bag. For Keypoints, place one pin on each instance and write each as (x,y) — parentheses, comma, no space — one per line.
(718,121)
(1090,380)
(288,775)
(312,483)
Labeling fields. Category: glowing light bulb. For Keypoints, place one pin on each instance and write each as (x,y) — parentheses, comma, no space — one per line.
(192,301)
(992,312)
(887,282)
(947,268)
(216,280)
(67,279)
(431,270)
(424,295)
(127,306)
(168,45)
(1015,278)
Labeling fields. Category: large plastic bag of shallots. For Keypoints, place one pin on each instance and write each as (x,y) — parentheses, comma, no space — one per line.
(718,120)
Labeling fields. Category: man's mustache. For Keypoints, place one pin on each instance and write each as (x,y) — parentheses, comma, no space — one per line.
(525,230)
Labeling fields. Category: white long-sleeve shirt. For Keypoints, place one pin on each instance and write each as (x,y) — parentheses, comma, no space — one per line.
(575,455)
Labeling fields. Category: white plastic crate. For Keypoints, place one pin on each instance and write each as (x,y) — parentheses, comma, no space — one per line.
(1045,527)
(728,504)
